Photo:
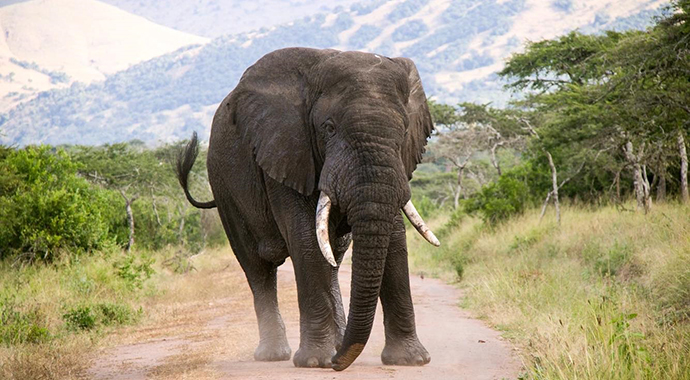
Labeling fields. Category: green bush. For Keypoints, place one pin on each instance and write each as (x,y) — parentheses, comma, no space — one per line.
(135,271)
(498,201)
(88,317)
(117,314)
(80,318)
(47,209)
(607,262)
(18,326)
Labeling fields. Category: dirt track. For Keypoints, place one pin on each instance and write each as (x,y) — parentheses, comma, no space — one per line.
(215,340)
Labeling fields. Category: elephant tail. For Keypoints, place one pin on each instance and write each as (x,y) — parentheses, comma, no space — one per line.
(185,161)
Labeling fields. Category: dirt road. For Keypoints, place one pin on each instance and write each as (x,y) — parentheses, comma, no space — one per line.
(215,340)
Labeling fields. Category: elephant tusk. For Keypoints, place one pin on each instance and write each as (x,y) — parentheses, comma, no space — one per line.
(418,223)
(323,209)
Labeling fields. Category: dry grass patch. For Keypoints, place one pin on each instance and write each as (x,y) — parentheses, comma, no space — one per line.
(605,296)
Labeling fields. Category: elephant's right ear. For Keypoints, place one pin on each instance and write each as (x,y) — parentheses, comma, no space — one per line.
(271,111)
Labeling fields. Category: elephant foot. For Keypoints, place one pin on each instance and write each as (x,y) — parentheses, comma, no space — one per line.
(405,352)
(273,351)
(313,357)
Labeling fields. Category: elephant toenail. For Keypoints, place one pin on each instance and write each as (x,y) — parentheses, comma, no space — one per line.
(312,362)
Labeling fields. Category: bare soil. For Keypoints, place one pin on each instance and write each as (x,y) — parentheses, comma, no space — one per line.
(214,338)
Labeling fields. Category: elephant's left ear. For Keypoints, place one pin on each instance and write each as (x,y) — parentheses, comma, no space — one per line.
(420,124)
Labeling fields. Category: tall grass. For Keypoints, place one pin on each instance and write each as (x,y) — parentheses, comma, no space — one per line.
(604,296)
(52,314)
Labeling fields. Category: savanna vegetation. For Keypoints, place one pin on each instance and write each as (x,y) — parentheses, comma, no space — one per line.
(82,231)
(570,225)
(564,216)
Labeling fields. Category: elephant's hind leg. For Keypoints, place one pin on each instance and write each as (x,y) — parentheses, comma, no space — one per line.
(262,278)
(273,345)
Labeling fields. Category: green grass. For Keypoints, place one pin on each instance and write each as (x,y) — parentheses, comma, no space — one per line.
(604,296)
(51,315)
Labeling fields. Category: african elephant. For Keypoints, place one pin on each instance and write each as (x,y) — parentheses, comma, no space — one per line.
(313,149)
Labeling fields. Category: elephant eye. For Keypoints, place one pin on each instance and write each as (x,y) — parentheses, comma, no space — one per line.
(329,126)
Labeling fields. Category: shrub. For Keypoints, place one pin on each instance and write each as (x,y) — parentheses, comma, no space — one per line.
(18,326)
(134,271)
(46,209)
(500,200)
(80,318)
(117,314)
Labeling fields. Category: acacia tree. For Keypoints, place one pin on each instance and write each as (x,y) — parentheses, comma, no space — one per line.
(613,94)
(466,131)
(116,167)
(136,172)
(653,69)
(501,127)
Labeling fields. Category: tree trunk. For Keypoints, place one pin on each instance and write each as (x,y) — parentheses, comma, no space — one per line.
(661,187)
(130,219)
(647,190)
(155,209)
(618,186)
(554,192)
(182,211)
(685,198)
(637,175)
(543,207)
(456,199)
(494,159)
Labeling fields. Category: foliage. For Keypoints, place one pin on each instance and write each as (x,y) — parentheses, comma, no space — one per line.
(584,99)
(603,296)
(89,317)
(134,270)
(144,176)
(80,318)
(17,326)
(55,76)
(502,199)
(49,209)
(46,209)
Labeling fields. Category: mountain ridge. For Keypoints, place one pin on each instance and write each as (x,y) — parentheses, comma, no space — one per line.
(458,45)
(48,44)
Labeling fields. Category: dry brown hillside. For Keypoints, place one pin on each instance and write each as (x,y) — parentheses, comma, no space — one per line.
(84,39)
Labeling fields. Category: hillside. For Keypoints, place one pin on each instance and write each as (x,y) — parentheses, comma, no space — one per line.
(214,18)
(457,45)
(50,44)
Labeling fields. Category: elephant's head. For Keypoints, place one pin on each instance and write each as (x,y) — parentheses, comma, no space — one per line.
(353,127)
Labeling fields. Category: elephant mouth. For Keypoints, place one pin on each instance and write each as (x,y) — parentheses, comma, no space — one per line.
(323,210)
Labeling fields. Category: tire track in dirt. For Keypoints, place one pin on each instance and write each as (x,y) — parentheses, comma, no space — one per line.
(215,340)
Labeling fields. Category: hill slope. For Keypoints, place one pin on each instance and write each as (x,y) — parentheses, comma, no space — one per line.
(457,45)
(50,43)
(214,18)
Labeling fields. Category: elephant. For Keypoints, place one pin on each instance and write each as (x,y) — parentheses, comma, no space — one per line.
(311,150)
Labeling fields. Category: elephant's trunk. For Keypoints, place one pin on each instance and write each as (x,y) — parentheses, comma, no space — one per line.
(371,218)
(367,180)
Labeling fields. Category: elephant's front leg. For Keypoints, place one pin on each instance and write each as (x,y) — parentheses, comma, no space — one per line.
(319,330)
(320,306)
(402,345)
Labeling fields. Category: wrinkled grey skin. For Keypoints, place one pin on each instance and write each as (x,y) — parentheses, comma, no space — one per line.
(301,121)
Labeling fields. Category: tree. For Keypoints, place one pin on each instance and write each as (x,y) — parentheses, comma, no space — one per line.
(146,184)
(468,130)
(46,209)
(619,97)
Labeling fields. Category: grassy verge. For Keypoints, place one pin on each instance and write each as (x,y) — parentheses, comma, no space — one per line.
(605,296)
(54,316)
